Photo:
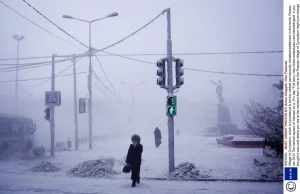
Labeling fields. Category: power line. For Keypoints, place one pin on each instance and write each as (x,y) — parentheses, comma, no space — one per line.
(98,79)
(28,93)
(133,59)
(200,70)
(97,50)
(13,69)
(57,75)
(108,79)
(161,54)
(230,73)
(100,90)
(30,64)
(25,58)
(55,24)
(194,53)
(141,28)
(40,78)
(39,25)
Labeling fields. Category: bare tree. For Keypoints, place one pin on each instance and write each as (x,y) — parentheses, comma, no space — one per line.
(267,122)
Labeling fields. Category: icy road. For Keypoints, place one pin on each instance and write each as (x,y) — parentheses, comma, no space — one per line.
(14,183)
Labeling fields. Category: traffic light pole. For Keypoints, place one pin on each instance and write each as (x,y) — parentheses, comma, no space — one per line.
(170,92)
(52,123)
(75,103)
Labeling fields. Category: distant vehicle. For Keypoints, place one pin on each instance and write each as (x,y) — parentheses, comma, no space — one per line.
(16,132)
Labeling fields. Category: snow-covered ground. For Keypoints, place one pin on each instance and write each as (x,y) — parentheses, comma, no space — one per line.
(32,184)
(212,159)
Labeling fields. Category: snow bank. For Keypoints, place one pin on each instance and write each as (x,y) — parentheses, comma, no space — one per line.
(122,161)
(110,160)
(44,167)
(185,170)
(92,169)
(270,170)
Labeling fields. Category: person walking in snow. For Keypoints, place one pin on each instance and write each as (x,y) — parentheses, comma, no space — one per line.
(157,137)
(134,158)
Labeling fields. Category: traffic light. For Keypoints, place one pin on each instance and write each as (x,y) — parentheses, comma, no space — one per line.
(161,72)
(171,105)
(179,73)
(82,105)
(47,115)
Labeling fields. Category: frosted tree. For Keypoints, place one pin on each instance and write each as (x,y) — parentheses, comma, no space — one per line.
(267,122)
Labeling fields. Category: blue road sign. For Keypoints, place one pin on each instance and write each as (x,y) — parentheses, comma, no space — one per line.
(52,98)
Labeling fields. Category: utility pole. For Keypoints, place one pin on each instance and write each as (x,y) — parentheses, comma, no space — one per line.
(90,90)
(52,117)
(90,101)
(132,100)
(75,103)
(18,39)
(132,106)
(170,92)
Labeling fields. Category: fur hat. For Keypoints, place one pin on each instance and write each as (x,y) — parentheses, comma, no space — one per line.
(136,137)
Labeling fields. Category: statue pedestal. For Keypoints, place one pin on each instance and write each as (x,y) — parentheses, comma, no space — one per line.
(224,125)
(223,113)
(224,120)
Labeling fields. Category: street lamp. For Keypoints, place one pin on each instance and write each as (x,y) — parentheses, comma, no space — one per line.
(132,99)
(90,69)
(18,39)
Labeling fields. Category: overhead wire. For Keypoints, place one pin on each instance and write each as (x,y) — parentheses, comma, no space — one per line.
(57,75)
(26,92)
(100,90)
(108,78)
(29,66)
(200,70)
(55,24)
(197,53)
(38,25)
(235,73)
(109,46)
(40,78)
(161,54)
(98,79)
(130,35)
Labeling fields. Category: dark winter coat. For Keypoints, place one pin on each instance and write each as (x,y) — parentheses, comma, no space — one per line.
(134,155)
(157,134)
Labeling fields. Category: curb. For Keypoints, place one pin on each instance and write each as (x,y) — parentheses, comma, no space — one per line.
(211,180)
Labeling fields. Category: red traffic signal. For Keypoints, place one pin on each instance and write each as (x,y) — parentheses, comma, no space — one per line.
(160,63)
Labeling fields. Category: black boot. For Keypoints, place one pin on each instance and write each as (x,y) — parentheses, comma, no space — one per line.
(133,183)
(138,181)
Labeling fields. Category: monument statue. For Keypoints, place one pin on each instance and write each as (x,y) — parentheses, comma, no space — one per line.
(219,90)
(224,124)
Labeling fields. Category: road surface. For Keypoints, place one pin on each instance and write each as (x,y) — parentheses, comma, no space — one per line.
(14,183)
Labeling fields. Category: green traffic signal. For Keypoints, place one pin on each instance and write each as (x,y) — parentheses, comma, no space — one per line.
(171,110)
(171,101)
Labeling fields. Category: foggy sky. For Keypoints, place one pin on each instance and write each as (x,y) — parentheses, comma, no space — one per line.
(197,26)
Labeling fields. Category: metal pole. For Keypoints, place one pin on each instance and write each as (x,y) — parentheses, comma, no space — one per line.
(75,103)
(52,118)
(90,91)
(132,109)
(170,92)
(17,81)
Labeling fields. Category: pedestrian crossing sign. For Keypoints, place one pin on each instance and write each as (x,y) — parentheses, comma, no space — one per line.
(52,98)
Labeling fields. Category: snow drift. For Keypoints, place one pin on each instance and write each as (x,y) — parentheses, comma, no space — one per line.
(92,169)
(186,170)
(44,167)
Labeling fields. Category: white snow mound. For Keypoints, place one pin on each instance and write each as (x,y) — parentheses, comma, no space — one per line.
(44,167)
(92,169)
(185,170)
(110,160)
